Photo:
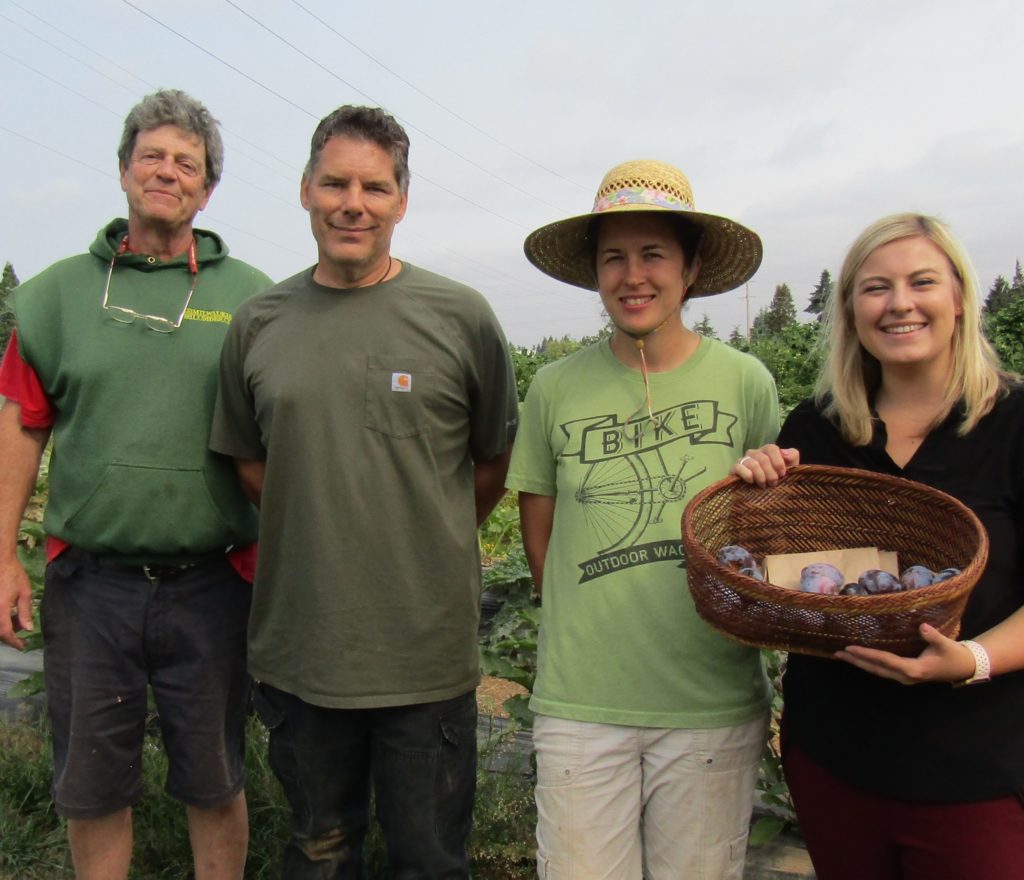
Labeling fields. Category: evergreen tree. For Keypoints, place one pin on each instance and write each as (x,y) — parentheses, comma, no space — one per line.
(736,338)
(704,328)
(8,282)
(1006,330)
(1017,284)
(1003,292)
(759,327)
(777,317)
(1000,295)
(821,294)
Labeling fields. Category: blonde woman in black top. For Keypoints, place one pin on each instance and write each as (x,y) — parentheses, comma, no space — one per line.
(893,782)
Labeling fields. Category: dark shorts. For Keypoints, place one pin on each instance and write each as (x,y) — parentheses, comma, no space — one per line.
(108,633)
(420,761)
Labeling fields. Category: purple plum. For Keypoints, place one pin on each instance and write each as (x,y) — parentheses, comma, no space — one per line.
(735,557)
(853,590)
(946,574)
(820,577)
(756,572)
(875,581)
(917,576)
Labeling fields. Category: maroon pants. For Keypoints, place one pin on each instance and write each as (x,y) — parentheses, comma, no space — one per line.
(854,835)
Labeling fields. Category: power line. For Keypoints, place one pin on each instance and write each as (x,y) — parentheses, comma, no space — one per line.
(291,204)
(468,261)
(78,42)
(108,175)
(217,58)
(495,275)
(65,52)
(301,109)
(58,83)
(270,241)
(36,143)
(434,101)
(135,76)
(409,124)
(116,115)
(235,149)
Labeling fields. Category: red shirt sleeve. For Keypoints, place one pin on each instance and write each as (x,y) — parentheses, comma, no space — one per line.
(243,560)
(20,383)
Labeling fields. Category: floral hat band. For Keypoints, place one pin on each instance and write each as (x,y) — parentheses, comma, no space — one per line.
(641,196)
(729,252)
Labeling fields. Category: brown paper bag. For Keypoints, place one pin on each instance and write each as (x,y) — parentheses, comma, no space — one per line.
(783,569)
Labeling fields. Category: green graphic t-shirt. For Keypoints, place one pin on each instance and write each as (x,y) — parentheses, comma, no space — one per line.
(620,640)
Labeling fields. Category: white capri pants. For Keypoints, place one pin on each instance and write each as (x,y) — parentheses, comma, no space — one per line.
(621,803)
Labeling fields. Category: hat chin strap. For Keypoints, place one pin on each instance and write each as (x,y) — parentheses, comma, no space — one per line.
(638,338)
(638,341)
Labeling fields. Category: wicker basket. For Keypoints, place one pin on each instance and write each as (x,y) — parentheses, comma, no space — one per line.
(817,508)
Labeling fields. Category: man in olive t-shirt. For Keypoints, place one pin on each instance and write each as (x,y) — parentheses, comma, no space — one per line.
(370,406)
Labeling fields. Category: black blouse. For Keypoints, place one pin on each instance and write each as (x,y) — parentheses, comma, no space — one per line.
(928,742)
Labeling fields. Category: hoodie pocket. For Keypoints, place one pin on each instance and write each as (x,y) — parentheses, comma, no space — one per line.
(138,509)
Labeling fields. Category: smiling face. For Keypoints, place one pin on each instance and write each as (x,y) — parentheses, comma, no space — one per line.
(906,303)
(165,179)
(642,272)
(354,203)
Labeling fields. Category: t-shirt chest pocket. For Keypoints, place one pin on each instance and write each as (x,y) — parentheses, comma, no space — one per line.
(397,394)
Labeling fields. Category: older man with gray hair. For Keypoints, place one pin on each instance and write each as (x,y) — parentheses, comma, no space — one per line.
(150,541)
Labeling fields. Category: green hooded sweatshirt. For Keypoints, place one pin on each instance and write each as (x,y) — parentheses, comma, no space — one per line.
(130,472)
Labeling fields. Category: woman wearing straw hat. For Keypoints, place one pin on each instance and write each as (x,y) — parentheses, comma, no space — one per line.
(649,724)
(894,782)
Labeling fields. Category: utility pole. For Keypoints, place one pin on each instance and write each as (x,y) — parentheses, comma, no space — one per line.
(746,296)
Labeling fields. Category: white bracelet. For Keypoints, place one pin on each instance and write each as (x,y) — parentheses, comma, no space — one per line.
(982,664)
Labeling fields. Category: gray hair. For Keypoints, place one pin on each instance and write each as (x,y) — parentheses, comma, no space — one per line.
(365,124)
(174,107)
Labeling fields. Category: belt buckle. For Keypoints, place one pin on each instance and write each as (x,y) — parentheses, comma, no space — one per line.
(155,573)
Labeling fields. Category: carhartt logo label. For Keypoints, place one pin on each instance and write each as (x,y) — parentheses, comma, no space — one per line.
(401,381)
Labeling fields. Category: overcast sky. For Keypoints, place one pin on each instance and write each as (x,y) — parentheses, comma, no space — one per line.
(803,120)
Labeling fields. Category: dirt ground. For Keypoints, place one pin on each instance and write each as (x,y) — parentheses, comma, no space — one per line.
(492,693)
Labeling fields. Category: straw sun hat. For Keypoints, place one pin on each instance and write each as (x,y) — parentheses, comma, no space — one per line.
(729,253)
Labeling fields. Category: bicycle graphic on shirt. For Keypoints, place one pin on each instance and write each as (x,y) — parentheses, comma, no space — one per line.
(623,496)
(629,477)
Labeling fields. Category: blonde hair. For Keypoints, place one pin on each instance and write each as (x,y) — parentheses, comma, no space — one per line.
(851,375)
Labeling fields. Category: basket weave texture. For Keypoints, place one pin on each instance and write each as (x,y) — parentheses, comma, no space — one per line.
(820,508)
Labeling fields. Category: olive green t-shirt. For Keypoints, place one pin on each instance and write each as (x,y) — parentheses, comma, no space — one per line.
(370,406)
